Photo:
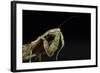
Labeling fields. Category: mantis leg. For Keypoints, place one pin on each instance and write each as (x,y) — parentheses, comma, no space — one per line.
(53,46)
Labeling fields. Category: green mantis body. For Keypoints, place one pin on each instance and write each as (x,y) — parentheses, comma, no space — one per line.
(46,44)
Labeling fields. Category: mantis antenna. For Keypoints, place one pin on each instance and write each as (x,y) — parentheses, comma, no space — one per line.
(66,21)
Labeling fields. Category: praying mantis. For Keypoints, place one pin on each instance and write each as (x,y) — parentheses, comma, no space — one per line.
(46,44)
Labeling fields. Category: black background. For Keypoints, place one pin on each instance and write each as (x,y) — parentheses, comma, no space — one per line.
(76,31)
